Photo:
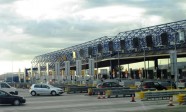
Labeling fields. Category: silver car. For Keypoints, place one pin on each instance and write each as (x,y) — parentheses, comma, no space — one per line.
(45,89)
(7,88)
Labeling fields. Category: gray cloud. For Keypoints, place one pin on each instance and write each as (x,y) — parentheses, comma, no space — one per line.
(166,9)
(44,36)
(48,35)
(69,30)
(133,3)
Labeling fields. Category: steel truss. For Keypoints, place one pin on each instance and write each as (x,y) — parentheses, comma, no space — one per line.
(81,51)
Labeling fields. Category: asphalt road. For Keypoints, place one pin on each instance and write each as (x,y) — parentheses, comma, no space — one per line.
(83,103)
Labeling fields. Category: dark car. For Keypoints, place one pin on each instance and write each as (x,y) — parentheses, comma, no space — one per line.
(108,85)
(6,98)
(168,84)
(151,84)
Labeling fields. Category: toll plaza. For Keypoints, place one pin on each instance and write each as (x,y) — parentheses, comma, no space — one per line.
(129,60)
(110,57)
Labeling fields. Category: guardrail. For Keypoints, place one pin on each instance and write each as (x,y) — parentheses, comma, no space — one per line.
(124,92)
(117,93)
(95,91)
(75,89)
(154,95)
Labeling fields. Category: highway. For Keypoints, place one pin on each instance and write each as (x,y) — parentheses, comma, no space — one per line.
(80,102)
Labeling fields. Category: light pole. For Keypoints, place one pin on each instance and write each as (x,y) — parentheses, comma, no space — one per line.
(144,63)
(148,70)
(175,67)
(12,72)
(128,73)
(119,65)
(110,65)
(154,71)
(97,64)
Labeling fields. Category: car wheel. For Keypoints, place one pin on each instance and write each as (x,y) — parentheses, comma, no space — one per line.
(33,93)
(16,102)
(53,93)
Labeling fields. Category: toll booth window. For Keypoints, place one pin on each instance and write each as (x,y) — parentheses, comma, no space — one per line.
(3,85)
(37,86)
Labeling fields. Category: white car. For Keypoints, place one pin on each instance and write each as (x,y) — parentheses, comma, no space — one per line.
(7,88)
(45,89)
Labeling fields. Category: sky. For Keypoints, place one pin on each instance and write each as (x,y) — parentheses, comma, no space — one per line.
(33,27)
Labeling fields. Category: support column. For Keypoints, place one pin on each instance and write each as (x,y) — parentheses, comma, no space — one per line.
(31,74)
(78,68)
(25,74)
(155,68)
(57,71)
(155,63)
(47,72)
(91,67)
(173,61)
(67,70)
(38,73)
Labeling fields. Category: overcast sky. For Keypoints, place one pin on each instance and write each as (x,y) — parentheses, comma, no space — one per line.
(33,27)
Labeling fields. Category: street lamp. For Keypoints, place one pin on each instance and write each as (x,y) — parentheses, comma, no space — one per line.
(110,64)
(119,68)
(175,67)
(97,64)
(97,54)
(144,55)
(119,65)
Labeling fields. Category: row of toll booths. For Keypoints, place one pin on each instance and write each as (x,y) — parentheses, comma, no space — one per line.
(131,74)
(150,74)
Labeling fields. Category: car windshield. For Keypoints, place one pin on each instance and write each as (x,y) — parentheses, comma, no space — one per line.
(164,83)
(156,83)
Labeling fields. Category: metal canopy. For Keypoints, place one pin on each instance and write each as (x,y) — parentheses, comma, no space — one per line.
(132,45)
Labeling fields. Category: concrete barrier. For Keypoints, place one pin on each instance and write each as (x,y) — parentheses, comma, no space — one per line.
(120,93)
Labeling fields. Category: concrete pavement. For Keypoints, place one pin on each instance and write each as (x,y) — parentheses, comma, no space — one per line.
(81,103)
